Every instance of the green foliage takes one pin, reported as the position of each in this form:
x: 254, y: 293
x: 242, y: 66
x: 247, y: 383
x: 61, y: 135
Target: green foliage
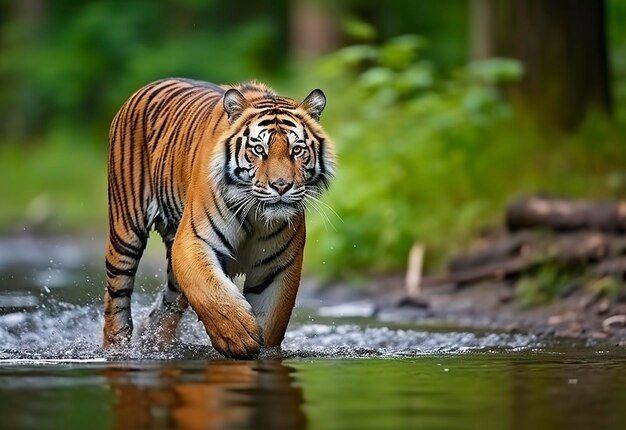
x: 544, y: 284
x: 59, y: 186
x: 81, y: 61
x: 408, y: 141
x: 67, y: 68
x: 607, y: 286
x: 431, y: 158
x: 548, y: 281
x: 424, y: 154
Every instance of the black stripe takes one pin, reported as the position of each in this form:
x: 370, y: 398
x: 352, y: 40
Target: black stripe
x: 320, y: 156
x: 239, y: 170
x: 230, y: 180
x: 172, y: 287
x: 234, y: 208
x: 117, y: 311
x: 222, y: 258
x: 155, y: 91
x: 118, y: 191
x: 122, y: 292
x: 123, y: 247
x: 275, y: 233
x: 259, y: 288
x: 238, y: 142
x: 219, y: 233
x: 272, y: 111
x: 203, y: 84
x: 195, y: 232
x: 276, y: 254
x: 266, y: 122
x: 218, y: 121
x: 217, y: 205
x: 114, y: 271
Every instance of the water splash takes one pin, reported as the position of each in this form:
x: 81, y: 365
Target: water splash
x: 351, y: 340
x: 62, y: 331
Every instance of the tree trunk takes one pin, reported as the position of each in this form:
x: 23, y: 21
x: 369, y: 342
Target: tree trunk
x: 482, y: 27
x: 562, y: 46
x: 314, y: 30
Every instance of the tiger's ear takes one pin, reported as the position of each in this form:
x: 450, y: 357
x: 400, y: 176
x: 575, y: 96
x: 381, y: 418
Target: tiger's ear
x: 314, y: 104
x: 234, y: 104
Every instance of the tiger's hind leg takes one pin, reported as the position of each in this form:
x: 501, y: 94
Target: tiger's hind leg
x: 129, y: 196
x: 171, y: 303
x: 124, y: 250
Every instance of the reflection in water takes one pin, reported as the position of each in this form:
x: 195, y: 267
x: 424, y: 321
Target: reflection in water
x: 221, y: 395
x: 575, y: 390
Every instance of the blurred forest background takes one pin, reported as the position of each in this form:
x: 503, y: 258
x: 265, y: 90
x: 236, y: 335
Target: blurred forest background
x: 441, y: 111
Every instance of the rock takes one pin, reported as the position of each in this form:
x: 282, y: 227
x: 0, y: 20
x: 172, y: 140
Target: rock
x: 614, y: 321
x: 418, y: 302
x: 364, y: 309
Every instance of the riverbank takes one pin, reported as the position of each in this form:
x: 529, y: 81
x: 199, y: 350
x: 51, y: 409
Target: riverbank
x: 41, y: 263
x: 579, y: 315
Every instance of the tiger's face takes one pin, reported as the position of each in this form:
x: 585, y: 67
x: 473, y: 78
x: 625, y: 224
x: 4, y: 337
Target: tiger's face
x: 278, y: 156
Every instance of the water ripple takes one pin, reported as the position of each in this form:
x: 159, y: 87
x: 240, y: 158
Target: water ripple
x: 61, y: 331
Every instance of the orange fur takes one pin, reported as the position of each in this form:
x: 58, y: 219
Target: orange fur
x: 223, y: 174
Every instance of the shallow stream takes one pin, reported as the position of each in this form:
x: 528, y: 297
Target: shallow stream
x: 332, y: 373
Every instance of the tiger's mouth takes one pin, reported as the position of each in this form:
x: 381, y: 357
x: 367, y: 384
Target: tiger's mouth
x: 281, y: 209
x: 272, y: 205
x: 281, y: 201
x: 289, y: 199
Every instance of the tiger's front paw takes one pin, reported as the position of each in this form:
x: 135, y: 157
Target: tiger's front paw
x: 235, y: 334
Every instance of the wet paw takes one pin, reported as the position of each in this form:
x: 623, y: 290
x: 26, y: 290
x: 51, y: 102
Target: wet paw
x: 236, y: 334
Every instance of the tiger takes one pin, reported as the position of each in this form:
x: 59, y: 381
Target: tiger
x: 224, y: 174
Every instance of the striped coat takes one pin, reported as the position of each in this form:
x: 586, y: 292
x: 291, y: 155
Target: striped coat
x: 224, y: 175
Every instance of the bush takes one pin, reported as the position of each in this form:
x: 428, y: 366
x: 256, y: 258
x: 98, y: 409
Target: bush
x: 432, y: 159
x: 408, y: 141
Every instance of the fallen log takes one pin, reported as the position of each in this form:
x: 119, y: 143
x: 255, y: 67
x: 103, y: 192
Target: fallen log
x: 487, y: 272
x: 509, y: 256
x: 582, y: 247
x: 492, y: 251
x: 572, y: 248
x: 566, y: 215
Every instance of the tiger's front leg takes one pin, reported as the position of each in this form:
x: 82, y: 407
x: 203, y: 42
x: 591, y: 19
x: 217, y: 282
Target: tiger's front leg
x: 225, y: 313
x: 272, y: 285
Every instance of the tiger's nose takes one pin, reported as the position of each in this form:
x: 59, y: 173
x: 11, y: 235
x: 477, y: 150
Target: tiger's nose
x: 281, y: 185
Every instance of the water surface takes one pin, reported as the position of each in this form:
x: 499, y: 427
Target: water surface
x: 332, y: 373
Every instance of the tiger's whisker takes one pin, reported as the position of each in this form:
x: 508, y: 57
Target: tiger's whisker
x: 326, y: 205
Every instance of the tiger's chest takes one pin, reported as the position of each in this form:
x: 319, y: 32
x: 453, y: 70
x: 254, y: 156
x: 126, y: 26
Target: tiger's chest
x: 260, y: 251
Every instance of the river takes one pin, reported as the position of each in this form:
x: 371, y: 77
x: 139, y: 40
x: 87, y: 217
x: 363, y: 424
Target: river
x: 333, y: 373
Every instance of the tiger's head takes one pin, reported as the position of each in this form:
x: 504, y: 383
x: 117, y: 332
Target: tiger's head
x: 277, y: 156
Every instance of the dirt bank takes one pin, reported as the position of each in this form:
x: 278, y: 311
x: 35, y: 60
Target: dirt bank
x: 580, y: 315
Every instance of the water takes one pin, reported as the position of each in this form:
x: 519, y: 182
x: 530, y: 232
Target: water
x: 332, y: 373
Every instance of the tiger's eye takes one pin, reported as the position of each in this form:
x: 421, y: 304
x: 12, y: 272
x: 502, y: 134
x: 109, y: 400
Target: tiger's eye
x: 297, y: 150
x: 258, y: 150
